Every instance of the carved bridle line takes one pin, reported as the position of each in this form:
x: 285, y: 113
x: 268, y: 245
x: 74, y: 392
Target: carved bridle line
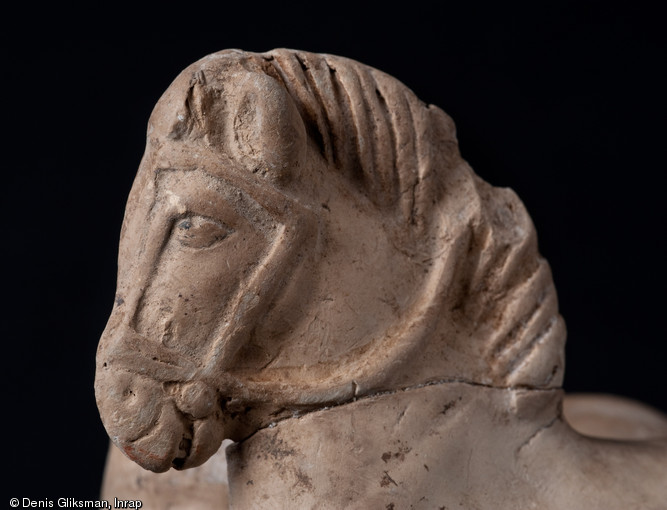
x: 354, y: 376
x: 298, y: 224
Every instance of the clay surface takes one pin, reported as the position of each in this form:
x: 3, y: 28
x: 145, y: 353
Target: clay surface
x: 309, y: 268
x: 613, y: 417
x: 205, y: 487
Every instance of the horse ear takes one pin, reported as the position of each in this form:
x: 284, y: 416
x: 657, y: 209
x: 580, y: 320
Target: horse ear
x: 266, y: 131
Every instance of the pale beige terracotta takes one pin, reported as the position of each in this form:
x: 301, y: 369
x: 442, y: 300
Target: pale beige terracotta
x: 613, y: 417
x: 309, y: 268
x: 205, y: 487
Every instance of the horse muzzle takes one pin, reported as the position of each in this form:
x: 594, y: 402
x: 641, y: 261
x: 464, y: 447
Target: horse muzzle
x: 159, y: 425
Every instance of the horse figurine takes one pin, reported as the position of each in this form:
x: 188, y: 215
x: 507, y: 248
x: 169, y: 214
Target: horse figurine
x: 309, y: 269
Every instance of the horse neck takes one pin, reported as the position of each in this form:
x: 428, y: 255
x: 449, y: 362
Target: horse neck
x: 432, y: 444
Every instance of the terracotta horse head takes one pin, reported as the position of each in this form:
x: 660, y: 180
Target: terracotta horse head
x: 302, y: 231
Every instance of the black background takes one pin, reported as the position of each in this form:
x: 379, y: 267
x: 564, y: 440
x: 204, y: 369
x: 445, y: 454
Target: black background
x: 563, y: 102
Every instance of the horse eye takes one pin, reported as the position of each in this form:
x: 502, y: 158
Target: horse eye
x: 200, y: 232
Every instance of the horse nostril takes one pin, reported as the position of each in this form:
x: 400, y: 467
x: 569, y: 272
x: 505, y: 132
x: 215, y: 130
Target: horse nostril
x: 129, y: 404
